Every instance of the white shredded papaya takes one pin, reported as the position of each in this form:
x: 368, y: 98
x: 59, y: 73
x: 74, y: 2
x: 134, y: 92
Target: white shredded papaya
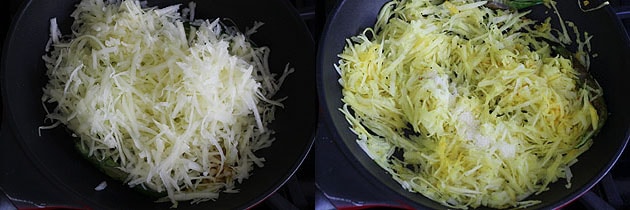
x: 180, y: 104
x: 464, y: 104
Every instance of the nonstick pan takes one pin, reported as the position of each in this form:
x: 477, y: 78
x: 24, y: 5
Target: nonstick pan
x: 53, y: 154
x: 611, y: 67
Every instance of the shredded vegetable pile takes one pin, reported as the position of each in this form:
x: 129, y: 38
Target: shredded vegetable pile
x: 179, y: 104
x: 467, y: 105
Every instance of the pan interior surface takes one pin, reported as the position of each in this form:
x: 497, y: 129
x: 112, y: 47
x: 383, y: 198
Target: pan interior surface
x: 23, y: 76
x: 609, y: 68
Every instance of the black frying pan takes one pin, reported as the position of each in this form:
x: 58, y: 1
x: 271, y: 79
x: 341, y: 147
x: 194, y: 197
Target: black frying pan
x: 23, y: 76
x: 611, y: 68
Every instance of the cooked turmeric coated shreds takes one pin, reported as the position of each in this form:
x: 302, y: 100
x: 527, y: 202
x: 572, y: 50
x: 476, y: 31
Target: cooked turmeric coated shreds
x: 467, y: 105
